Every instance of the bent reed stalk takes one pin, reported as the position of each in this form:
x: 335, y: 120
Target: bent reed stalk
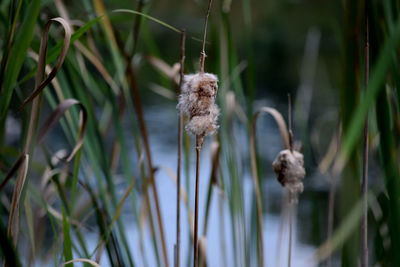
x: 289, y: 169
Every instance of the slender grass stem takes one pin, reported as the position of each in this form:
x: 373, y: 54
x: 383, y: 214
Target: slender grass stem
x: 290, y: 211
x: 331, y: 208
x: 199, y: 143
x: 284, y: 214
x: 257, y: 190
x: 331, y: 201
x: 291, y: 196
x: 143, y: 130
x: 136, y: 26
x: 290, y: 123
x: 203, y: 53
x: 178, y: 171
x: 364, y: 185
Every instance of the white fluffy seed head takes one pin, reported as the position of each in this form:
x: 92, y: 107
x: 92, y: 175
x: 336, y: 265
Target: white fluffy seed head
x: 289, y: 169
x: 198, y: 101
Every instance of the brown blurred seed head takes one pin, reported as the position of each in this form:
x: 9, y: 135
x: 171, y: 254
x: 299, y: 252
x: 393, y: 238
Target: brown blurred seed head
x: 198, y: 101
x: 289, y: 169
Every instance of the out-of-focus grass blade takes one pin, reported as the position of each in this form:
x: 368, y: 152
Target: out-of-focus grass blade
x: 148, y: 17
x: 374, y: 86
x: 13, y: 220
x: 99, y: 66
x: 112, y: 247
x: 116, y: 215
x: 100, y: 9
x: 96, y: 152
x: 215, y: 153
x: 250, y: 73
x: 389, y: 160
x: 67, y: 239
x: 348, y: 225
x: 29, y: 222
x: 8, y: 252
x: 17, y: 54
x: 111, y: 41
x: 93, y: 263
x: 55, y: 116
x: 171, y: 72
x: 75, y: 173
x: 8, y: 44
x: 12, y: 171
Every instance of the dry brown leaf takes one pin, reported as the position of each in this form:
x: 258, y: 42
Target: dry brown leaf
x: 39, y: 84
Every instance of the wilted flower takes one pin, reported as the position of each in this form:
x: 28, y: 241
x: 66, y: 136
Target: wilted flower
x: 198, y: 101
x: 289, y: 168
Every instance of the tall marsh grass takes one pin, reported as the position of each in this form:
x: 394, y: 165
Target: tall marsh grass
x: 85, y: 177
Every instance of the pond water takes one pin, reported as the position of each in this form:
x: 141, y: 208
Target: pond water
x: 163, y: 148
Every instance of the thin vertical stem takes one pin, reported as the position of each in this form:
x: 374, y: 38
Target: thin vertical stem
x: 257, y: 190
x: 332, y: 192
x: 136, y: 27
x: 284, y: 214
x: 178, y: 171
x: 290, y: 210
x: 331, y: 208
x: 142, y: 125
x: 203, y: 53
x: 364, y: 186
x: 199, y: 142
x: 135, y: 95
x: 290, y: 123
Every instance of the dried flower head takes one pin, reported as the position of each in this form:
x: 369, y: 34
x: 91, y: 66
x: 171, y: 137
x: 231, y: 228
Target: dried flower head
x: 198, y: 101
x: 289, y: 168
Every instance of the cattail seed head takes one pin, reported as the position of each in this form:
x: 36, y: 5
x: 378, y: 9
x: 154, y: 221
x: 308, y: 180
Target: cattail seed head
x: 289, y: 169
x: 197, y: 100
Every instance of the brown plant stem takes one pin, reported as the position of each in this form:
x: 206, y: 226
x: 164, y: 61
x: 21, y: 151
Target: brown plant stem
x: 290, y: 211
x: 199, y: 143
x: 331, y: 208
x: 332, y: 192
x: 257, y: 189
x: 286, y: 143
x: 139, y: 110
x: 290, y: 193
x: 215, y: 151
x: 178, y: 171
x: 203, y: 53
x: 284, y: 214
x: 290, y: 123
x: 364, y: 185
x: 129, y: 73
x: 136, y: 26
